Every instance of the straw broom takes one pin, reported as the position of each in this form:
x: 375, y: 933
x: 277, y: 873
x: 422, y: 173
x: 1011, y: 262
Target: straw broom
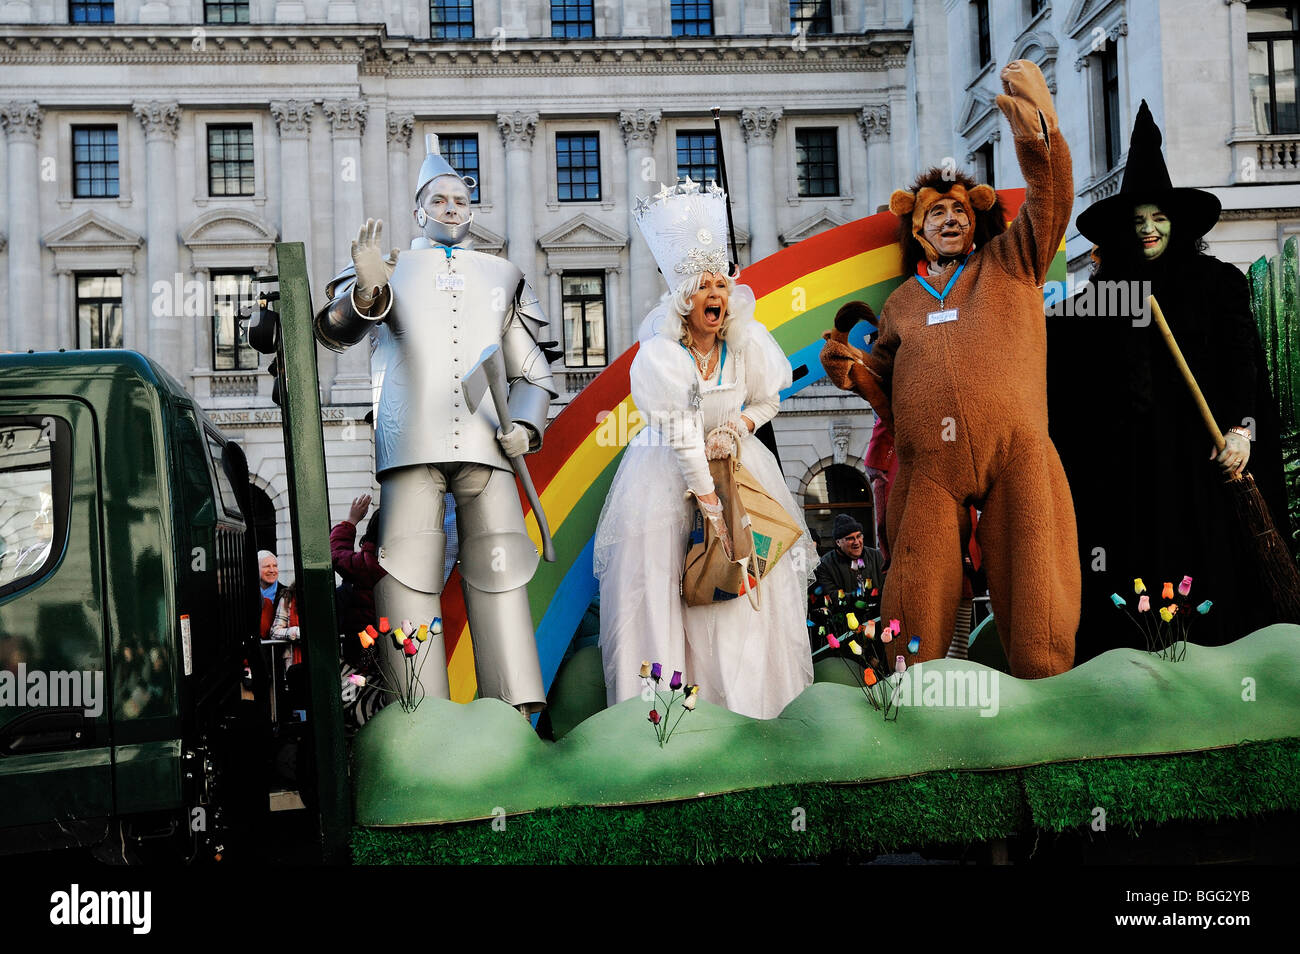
x: 1276, y: 567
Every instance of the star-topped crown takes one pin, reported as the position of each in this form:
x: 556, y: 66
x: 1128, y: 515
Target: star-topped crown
x: 686, y: 229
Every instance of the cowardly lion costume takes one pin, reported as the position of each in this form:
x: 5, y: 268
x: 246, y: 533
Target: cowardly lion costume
x: 959, y: 372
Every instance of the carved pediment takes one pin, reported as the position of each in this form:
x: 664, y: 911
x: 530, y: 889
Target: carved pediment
x: 979, y: 103
x: 227, y: 228
x: 91, y: 230
x: 820, y: 221
x: 485, y: 240
x: 1083, y: 12
x: 583, y: 232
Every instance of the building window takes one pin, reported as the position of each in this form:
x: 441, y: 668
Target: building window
x: 1036, y: 7
x: 983, y: 39
x: 810, y: 16
x: 817, y: 161
x: 451, y: 19
x: 462, y: 153
x: 577, y: 167
x: 34, y: 459
x: 94, y: 162
x: 230, y: 160
x: 225, y: 11
x: 90, y: 11
x: 984, y: 172
x: 572, y: 18
x: 99, y: 311
x: 583, y: 298
x: 1272, y: 34
x: 1113, y: 134
x: 697, y: 156
x: 231, y: 351
x: 692, y: 17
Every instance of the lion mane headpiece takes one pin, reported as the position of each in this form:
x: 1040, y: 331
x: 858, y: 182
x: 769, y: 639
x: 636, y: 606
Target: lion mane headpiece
x: 982, y: 205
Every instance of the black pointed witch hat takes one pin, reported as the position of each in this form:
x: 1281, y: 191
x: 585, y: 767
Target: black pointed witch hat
x: 1146, y: 179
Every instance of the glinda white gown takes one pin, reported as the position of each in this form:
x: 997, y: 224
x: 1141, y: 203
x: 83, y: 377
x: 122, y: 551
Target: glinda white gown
x: 751, y: 662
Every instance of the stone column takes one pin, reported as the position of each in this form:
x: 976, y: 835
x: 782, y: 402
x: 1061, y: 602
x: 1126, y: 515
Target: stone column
x: 22, y: 125
x: 401, y: 189
x: 759, y: 128
x: 64, y: 303
x: 165, y: 343
x: 517, y: 130
x: 347, y: 122
x: 1243, y: 119
x: 639, y: 127
x: 1119, y: 36
x: 293, y: 123
x: 874, y: 121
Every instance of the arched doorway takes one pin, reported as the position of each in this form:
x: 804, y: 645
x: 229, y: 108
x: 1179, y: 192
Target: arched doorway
x: 838, y: 488
x: 262, y: 520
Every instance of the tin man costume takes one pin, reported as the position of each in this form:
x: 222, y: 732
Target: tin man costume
x: 441, y: 307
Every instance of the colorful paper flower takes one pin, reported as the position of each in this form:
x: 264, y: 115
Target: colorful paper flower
x: 435, y: 626
x: 366, y: 639
x: 1144, y: 603
x: 372, y: 633
x: 875, y: 591
x: 657, y: 671
x: 1117, y: 600
x: 871, y: 629
x: 851, y: 620
x: 887, y: 635
x: 854, y: 648
x: 1138, y: 586
x: 832, y: 642
x: 654, y: 716
x: 689, y: 703
x: 397, y: 639
x: 1167, y: 593
x: 410, y: 647
x: 900, y: 664
x: 357, y: 679
x: 869, y: 676
x: 423, y: 633
x: 1204, y: 607
x: 383, y: 624
x: 692, y: 690
x: 676, y: 682
x: 408, y: 625
x: 914, y: 644
x: 645, y: 669
x: 894, y: 626
x: 1185, y: 587
x: 1165, y: 614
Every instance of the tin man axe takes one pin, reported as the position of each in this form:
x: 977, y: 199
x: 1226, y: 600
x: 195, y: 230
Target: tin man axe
x: 489, y: 374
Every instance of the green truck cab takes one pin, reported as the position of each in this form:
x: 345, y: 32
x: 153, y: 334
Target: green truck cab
x: 128, y: 608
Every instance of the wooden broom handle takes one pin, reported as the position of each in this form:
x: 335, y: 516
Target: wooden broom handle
x: 1211, y: 425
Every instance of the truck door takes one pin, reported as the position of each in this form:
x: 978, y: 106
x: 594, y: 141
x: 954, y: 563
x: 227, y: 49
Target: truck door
x: 55, y: 745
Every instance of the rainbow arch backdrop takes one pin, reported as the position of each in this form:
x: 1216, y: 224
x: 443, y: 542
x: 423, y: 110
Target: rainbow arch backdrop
x: 798, y: 289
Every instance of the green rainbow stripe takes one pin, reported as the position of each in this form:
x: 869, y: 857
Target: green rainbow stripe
x: 799, y: 289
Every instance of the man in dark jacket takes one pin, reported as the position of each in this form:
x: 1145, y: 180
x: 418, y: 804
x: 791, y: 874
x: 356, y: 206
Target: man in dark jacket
x: 851, y: 562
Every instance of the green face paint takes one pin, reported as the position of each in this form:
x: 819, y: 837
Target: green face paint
x: 1152, y: 227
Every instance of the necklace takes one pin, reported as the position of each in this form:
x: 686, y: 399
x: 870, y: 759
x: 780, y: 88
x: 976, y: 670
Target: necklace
x: 702, y: 361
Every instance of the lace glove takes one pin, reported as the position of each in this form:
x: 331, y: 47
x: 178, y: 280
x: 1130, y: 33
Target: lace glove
x: 713, y: 512
x: 723, y: 441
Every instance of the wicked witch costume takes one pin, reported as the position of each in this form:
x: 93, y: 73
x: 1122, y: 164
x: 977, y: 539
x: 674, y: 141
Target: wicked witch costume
x: 753, y: 663
x: 1150, y: 501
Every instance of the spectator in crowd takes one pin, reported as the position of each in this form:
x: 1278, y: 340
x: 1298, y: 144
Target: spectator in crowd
x: 852, y: 562
x: 268, y: 581
x: 359, y: 569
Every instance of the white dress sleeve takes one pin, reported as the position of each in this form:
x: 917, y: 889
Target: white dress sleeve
x: 662, y: 377
x: 767, y: 374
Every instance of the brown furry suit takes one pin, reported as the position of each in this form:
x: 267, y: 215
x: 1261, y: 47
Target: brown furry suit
x: 967, y: 401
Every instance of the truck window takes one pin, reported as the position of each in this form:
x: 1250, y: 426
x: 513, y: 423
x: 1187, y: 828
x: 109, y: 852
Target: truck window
x: 229, y: 502
x: 33, y: 498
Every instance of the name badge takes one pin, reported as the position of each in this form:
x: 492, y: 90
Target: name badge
x: 456, y: 282
x: 939, y: 317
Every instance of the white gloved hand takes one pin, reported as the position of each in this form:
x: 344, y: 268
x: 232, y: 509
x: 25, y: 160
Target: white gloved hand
x: 372, y: 269
x: 515, y: 441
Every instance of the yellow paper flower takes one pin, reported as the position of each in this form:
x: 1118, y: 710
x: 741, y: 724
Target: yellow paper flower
x: 852, y: 622
x: 1139, y: 587
x: 1165, y: 614
x: 854, y: 648
x: 645, y: 669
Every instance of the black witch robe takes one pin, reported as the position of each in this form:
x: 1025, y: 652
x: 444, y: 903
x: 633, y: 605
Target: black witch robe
x: 1148, y: 499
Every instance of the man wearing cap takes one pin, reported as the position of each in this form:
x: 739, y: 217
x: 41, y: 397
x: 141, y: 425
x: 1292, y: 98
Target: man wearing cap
x: 433, y: 310
x: 852, y: 562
